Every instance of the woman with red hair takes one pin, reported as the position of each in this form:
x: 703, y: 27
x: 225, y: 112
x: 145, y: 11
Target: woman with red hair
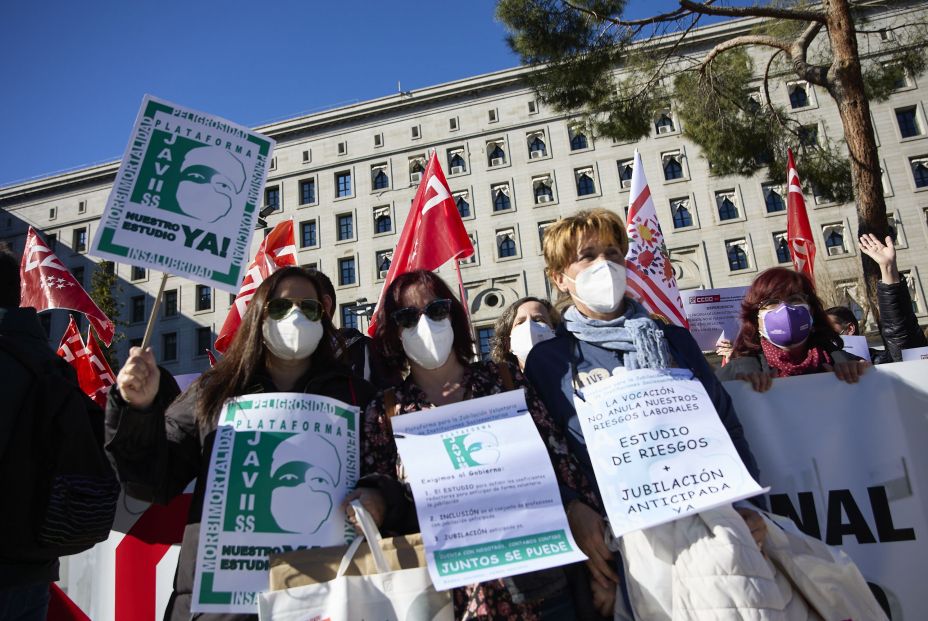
x: 785, y: 332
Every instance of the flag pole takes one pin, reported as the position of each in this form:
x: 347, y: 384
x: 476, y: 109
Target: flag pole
x: 463, y: 294
x: 154, y: 312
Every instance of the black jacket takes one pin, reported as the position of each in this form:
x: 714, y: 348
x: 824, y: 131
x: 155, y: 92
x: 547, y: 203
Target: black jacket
x: 900, y: 327
x: 159, y: 451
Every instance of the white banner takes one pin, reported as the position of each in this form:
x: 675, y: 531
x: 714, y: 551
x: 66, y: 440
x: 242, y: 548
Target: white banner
x: 486, y: 494
x: 847, y: 462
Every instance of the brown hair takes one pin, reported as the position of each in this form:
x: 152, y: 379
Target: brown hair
x: 387, y: 334
x: 235, y: 371
x: 562, y: 238
x: 779, y: 283
x: 500, y: 351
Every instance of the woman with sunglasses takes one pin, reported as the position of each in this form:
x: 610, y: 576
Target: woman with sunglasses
x: 785, y: 332
x: 160, y: 443
x: 422, y: 327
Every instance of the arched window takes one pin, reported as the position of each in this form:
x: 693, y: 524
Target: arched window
x: 664, y: 124
x: 384, y: 265
x: 501, y: 201
x: 578, y: 141
x: 783, y: 251
x: 774, y: 201
x: 456, y: 161
x: 497, y: 156
x: 727, y: 209
x: 507, y: 247
x: 585, y: 185
x: 382, y: 223
x: 737, y: 258
x: 682, y: 217
x: 673, y: 169
x: 625, y: 174
x: 834, y: 242
x: 463, y: 207
x: 537, y: 145
x: 543, y: 189
x: 381, y: 181
x: 798, y: 97
x: 920, y: 172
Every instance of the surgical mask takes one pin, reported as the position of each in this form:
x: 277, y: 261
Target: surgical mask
x: 601, y: 286
x: 787, y: 325
x: 292, y: 338
x: 526, y: 335
x: 429, y: 342
x: 200, y: 200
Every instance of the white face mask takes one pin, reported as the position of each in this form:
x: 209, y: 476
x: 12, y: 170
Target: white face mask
x: 292, y: 338
x: 601, y: 286
x: 526, y: 335
x: 428, y: 343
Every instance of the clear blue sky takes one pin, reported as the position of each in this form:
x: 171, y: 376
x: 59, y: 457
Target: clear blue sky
x: 73, y: 73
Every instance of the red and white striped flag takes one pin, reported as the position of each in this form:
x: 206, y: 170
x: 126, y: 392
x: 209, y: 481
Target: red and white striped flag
x: 94, y: 374
x: 798, y: 230
x: 276, y: 251
x: 651, y: 280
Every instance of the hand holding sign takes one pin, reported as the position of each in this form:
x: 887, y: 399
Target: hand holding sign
x: 139, y: 378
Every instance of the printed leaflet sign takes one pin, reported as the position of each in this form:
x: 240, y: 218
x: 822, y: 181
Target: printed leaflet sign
x: 186, y: 195
x: 486, y: 495
x: 713, y: 314
x: 281, y: 465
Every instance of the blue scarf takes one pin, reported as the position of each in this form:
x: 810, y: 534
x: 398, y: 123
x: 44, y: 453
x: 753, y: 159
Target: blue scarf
x: 634, y: 333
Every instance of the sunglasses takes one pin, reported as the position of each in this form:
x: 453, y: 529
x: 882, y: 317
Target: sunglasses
x: 278, y: 308
x: 436, y: 310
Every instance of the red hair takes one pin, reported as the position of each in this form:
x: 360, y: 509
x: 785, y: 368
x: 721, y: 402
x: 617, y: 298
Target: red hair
x: 777, y: 284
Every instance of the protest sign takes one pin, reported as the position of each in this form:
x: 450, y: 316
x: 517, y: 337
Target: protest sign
x: 658, y: 448
x: 713, y: 314
x: 281, y: 465
x: 915, y: 353
x: 847, y: 463
x: 486, y: 494
x: 857, y: 345
x: 186, y: 195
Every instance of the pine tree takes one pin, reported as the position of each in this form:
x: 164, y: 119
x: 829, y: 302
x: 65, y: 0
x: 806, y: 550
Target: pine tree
x: 105, y: 290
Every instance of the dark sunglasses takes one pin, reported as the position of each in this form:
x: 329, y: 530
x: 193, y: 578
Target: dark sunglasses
x: 436, y: 310
x: 278, y: 308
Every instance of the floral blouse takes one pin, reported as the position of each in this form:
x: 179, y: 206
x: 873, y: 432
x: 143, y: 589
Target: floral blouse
x: 487, y: 600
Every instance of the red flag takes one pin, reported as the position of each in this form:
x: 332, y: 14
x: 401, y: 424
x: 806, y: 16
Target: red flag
x: 798, y: 231
x: 212, y: 358
x: 433, y: 233
x: 95, y: 375
x: 276, y: 251
x: 71, y: 345
x: 651, y: 280
x: 47, y: 284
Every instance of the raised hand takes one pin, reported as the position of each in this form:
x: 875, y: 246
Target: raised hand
x: 139, y: 378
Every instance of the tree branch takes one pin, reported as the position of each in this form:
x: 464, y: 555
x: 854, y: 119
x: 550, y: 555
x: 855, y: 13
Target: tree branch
x: 798, y: 53
x: 635, y: 22
x: 741, y: 41
x: 705, y: 8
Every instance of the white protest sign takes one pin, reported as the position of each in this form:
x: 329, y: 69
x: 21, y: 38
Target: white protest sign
x: 281, y: 465
x: 713, y: 314
x: 915, y: 353
x: 186, y: 195
x: 658, y: 448
x: 847, y: 463
x: 486, y: 494
x: 857, y: 345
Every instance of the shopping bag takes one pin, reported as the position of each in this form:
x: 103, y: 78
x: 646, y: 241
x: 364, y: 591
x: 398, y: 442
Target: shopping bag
x: 394, y: 595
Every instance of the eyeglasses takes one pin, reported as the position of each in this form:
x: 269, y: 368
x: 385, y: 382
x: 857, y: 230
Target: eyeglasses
x: 278, y: 308
x: 793, y: 300
x: 436, y: 310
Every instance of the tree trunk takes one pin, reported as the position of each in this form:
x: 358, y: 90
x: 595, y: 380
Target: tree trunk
x: 846, y: 86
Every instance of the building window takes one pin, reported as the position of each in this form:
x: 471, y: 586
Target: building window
x: 273, y: 164
x: 673, y: 165
x: 543, y: 190
x: 307, y: 156
x: 307, y: 192
x: 52, y: 213
x: 682, y: 217
x: 308, y: 237
x: 773, y: 198
x: 920, y: 171
x: 536, y: 146
x: 798, y: 95
x: 169, y: 346
x: 347, y: 274
x: 51, y: 240
x: 345, y: 223
x: 493, y: 115
x: 496, y: 155
x: 416, y: 132
x: 485, y: 341
x: 808, y: 135
x: 342, y: 148
x: 416, y: 169
x: 170, y: 303
x: 908, y: 122
x: 138, y: 273
x: 664, y: 124
x: 899, y: 74
x: 456, y: 163
x: 909, y: 279
x: 737, y: 254
x: 137, y: 308
x: 204, y: 341
x: 79, y: 240
x: 382, y: 260
x: 204, y: 297
x: 463, y: 206
x: 349, y: 317
x: 453, y: 124
x: 378, y: 140
x: 585, y: 184
x: 506, y: 244
x: 342, y: 184
x: 532, y: 107
x: 383, y: 223
x: 501, y: 200
x: 834, y: 239
x: 782, y: 247
x: 379, y: 178
x: 472, y: 259
x: 626, y: 168
x: 82, y: 207
x: 272, y: 197
x: 726, y: 205
x: 578, y: 138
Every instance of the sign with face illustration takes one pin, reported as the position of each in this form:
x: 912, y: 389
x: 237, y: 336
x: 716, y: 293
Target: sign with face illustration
x: 281, y: 465
x: 186, y: 195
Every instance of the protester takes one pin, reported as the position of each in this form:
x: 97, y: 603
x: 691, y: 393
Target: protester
x: 899, y: 326
x: 423, y: 327
x: 785, y: 332
x: 526, y: 322
x: 603, y: 331
x: 284, y: 344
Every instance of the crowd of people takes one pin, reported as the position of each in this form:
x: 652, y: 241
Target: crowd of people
x: 422, y: 355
